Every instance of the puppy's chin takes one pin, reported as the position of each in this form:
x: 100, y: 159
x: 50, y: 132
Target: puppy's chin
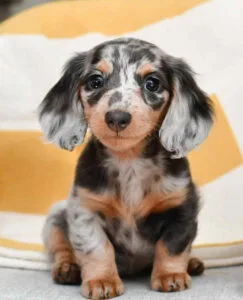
x: 120, y: 144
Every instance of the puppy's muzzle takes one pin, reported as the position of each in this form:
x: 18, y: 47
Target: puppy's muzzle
x: 117, y: 120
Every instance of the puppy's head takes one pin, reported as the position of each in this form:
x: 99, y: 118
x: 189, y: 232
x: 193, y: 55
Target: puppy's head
x: 124, y: 90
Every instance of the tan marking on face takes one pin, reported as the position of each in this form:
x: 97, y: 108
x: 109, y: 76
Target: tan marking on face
x: 104, y: 67
x: 129, y: 154
x: 95, y: 115
x: 144, y: 119
x: 144, y: 69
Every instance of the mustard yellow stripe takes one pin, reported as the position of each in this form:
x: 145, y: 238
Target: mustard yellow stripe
x: 219, y: 153
x: 33, y: 174
x: 40, y: 248
x: 20, y: 245
x: 73, y: 18
x: 234, y: 243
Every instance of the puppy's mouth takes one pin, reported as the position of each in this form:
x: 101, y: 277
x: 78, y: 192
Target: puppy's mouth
x: 126, y: 135
x: 121, y: 137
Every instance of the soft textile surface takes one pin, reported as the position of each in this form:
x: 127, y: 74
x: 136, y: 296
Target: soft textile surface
x: 216, y: 284
x: 33, y: 175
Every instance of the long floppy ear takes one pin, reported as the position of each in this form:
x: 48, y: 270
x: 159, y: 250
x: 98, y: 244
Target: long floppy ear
x: 190, y: 114
x: 61, y: 113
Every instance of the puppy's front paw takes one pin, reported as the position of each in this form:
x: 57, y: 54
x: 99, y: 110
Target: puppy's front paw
x: 171, y: 282
x: 66, y: 273
x: 102, y: 288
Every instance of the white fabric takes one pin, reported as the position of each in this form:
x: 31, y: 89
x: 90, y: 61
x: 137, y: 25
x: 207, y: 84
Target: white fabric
x: 221, y: 217
x: 23, y: 227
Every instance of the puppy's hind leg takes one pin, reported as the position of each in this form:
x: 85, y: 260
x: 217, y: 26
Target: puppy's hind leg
x: 64, y: 268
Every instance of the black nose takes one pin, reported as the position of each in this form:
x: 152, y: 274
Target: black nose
x: 117, y: 120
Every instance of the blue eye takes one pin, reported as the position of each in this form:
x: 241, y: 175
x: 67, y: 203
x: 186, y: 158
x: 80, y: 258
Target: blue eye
x: 95, y: 82
x: 151, y: 84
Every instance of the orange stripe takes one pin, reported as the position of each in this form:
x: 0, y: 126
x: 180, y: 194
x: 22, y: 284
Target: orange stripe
x: 73, y: 18
x: 20, y: 245
x: 234, y: 243
x: 33, y: 175
x: 7, y: 243
x: 219, y: 153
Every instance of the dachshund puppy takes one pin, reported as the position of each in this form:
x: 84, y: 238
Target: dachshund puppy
x: 133, y: 205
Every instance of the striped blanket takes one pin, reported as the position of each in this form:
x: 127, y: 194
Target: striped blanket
x: 33, y: 47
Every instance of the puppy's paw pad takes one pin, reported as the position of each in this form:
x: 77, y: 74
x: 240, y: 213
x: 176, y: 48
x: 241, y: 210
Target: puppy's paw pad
x: 66, y: 273
x: 171, y: 282
x: 102, y: 289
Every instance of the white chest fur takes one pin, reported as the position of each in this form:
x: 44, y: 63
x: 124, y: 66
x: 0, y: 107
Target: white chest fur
x: 140, y: 176
x: 135, y: 178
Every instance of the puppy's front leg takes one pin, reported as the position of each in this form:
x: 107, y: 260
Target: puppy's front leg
x: 94, y: 253
x: 99, y: 273
x: 170, y: 270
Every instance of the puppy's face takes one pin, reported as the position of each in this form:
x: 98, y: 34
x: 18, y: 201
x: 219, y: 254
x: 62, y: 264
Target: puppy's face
x: 123, y: 90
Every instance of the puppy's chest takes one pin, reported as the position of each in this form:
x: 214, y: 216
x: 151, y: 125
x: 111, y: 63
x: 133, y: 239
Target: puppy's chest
x: 133, y: 180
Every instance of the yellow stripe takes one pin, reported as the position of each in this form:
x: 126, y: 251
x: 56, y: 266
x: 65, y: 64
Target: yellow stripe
x: 33, y: 175
x: 234, y: 243
x: 73, y: 18
x: 20, y: 245
x: 40, y: 248
x: 219, y: 153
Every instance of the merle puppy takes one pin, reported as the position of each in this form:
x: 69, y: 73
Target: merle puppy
x: 133, y: 205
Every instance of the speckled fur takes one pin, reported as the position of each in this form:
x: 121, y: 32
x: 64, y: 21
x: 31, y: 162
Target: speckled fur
x: 118, y: 172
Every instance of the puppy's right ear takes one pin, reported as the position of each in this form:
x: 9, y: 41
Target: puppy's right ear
x: 61, y: 112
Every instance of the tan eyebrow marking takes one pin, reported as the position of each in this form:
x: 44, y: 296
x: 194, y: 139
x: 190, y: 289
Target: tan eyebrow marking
x: 104, y: 67
x: 144, y: 69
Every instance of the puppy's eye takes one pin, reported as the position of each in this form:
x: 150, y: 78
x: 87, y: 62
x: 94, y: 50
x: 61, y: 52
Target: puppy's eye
x: 95, y: 82
x: 151, y: 84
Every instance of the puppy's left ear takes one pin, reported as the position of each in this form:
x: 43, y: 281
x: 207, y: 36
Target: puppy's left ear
x: 190, y: 114
x: 61, y: 112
